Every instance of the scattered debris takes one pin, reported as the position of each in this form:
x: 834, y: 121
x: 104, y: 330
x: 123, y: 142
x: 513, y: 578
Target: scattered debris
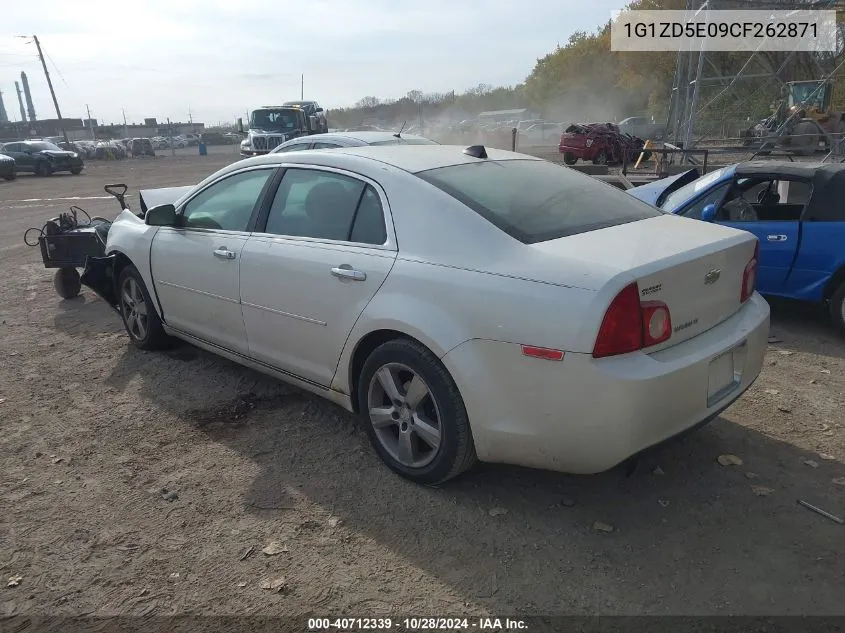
x: 658, y: 471
x: 241, y: 585
x: 826, y: 457
x: 144, y: 592
x: 567, y: 502
x: 663, y: 502
x: 278, y: 585
x: 602, y: 527
x: 811, y: 463
x: 839, y: 481
x: 334, y: 522
x: 169, y: 495
x: 174, y: 575
x: 58, y: 460
x: 729, y: 460
x: 274, y: 549
x: 249, y: 552
x: 813, y: 381
x: 775, y: 339
x: 825, y: 371
x: 496, y: 512
x: 785, y: 352
x: 308, y: 525
x: 828, y: 515
x: 762, y: 491
x: 772, y: 363
x: 2, y: 400
x: 14, y: 581
x: 824, y: 427
x: 784, y: 409
x: 750, y: 475
x: 771, y: 392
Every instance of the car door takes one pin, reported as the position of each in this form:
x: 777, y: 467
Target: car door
x: 195, y: 267
x: 777, y: 231
x: 312, y: 266
x: 24, y: 159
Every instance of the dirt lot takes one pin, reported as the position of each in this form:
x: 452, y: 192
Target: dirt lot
x: 93, y: 431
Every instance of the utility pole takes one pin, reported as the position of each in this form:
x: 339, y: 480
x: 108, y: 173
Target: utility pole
x: 170, y: 136
x: 190, y: 116
x: 90, y: 123
x: 50, y: 85
x: 302, y: 86
x: 125, y: 130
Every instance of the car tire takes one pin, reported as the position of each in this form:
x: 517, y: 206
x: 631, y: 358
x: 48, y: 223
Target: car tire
x: 404, y: 436
x: 837, y: 309
x: 43, y: 169
x: 76, y: 171
x: 569, y: 158
x: 67, y: 283
x: 601, y: 158
x: 11, y: 176
x: 139, y: 315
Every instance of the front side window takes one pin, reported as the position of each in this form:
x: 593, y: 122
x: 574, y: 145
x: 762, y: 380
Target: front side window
x: 227, y: 204
x: 326, y: 205
x: 535, y: 200
x: 325, y: 145
x: 44, y: 145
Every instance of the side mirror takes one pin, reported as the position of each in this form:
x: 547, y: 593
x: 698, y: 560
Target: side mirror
x: 318, y: 110
x: 313, y: 123
x: 240, y: 125
x: 708, y: 213
x: 162, y: 215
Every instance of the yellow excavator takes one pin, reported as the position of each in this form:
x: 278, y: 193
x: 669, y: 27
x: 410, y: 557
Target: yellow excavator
x: 801, y: 120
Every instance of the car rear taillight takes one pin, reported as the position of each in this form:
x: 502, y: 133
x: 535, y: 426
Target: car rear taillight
x: 630, y: 325
x: 749, y: 275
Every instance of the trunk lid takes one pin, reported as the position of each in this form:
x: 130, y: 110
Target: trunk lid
x: 695, y: 268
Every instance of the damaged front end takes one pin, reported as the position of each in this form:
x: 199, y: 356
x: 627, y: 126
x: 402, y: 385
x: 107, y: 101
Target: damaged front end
x: 99, y: 276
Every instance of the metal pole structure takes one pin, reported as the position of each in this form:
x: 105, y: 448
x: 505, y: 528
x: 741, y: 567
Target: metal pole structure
x: 90, y: 123
x: 302, y: 86
x: 170, y: 137
x: 125, y: 130
x: 50, y: 85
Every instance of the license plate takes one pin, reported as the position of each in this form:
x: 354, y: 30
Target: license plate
x: 725, y: 374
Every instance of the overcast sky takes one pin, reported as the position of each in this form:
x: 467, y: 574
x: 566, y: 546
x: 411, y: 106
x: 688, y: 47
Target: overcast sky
x: 219, y: 58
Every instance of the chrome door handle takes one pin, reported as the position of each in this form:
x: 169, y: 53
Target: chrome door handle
x: 346, y: 272
x: 776, y: 238
x: 224, y: 253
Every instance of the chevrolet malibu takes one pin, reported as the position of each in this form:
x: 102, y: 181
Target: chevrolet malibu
x: 466, y: 303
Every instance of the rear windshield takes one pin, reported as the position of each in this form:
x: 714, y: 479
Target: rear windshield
x: 535, y: 200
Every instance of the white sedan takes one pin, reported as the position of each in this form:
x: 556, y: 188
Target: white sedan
x: 468, y: 304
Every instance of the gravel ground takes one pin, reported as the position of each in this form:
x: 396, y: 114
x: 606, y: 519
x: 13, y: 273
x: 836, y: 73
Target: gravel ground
x: 150, y: 483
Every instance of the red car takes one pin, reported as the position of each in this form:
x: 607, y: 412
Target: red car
x: 601, y: 143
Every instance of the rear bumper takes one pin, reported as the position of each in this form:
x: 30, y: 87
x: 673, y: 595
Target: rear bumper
x: 586, y: 415
x: 584, y: 153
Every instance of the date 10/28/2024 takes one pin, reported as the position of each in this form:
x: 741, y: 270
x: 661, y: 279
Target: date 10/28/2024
x: 417, y: 624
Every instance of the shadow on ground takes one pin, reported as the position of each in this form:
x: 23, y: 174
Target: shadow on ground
x: 511, y: 538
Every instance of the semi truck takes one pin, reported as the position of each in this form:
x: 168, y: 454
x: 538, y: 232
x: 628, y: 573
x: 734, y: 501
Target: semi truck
x: 270, y: 126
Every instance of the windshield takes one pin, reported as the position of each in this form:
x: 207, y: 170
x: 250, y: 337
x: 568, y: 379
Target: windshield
x: 535, y: 200
x: 809, y: 93
x: 689, y: 190
x: 42, y: 145
x: 275, y: 120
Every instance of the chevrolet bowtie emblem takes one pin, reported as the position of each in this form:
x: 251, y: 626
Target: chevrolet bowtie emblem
x: 712, y: 276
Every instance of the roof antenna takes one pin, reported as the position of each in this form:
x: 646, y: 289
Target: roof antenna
x: 399, y: 133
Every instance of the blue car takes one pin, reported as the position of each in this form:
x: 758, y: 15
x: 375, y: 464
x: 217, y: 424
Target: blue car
x: 796, y: 210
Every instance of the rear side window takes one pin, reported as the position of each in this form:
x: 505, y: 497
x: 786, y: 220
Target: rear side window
x: 535, y: 201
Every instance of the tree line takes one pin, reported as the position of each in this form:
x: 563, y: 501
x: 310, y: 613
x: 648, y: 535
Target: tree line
x: 584, y: 80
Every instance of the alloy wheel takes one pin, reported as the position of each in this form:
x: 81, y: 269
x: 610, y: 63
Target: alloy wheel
x: 404, y: 415
x: 134, y: 308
